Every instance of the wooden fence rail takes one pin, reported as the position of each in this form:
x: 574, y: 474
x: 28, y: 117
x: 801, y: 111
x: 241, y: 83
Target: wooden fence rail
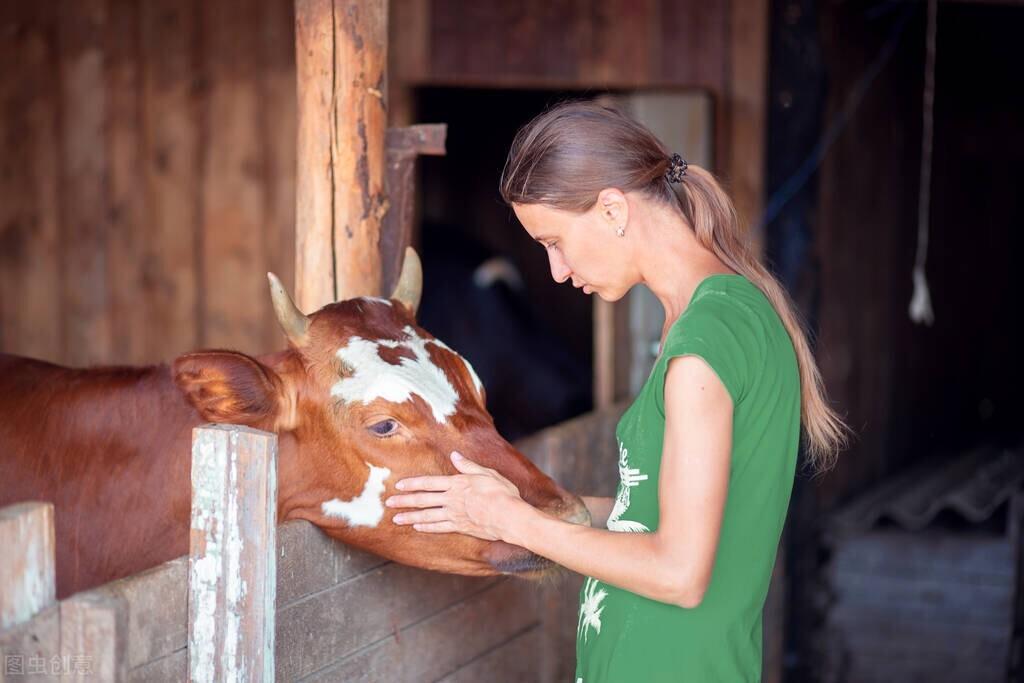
x: 313, y: 609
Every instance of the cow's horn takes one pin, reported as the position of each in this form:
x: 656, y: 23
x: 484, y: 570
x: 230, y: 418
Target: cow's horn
x: 294, y: 322
x: 410, y: 282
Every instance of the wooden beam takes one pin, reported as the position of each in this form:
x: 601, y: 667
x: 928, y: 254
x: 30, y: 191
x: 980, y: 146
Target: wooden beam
x: 27, y: 562
x: 232, y: 554
x: 746, y: 95
x: 341, y: 57
x: 404, y: 145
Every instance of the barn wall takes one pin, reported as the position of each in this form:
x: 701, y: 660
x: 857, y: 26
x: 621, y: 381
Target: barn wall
x: 147, y: 176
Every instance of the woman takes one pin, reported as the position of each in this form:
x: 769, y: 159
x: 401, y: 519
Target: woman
x: 707, y: 450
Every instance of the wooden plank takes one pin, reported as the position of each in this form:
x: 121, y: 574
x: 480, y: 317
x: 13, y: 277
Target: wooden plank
x: 748, y: 115
x: 512, y: 661
x: 341, y: 56
x: 127, y: 217
x: 314, y: 193
x: 88, y: 337
x: 27, y: 565
x: 309, y: 561
x: 157, y: 606
x: 430, y: 649
x: 233, y: 258
x: 29, y: 206
x: 93, y: 635
x: 170, y: 119
x: 277, y: 131
x: 404, y: 145
x: 172, y: 668
x: 360, y: 116
x: 408, y: 56
x: 315, y: 632
x: 232, y: 554
x: 28, y: 648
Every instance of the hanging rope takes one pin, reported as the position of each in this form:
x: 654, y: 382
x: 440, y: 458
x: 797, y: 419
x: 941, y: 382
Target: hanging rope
x: 921, y: 302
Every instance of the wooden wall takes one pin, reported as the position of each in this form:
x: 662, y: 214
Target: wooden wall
x: 719, y: 47
x: 146, y: 176
x: 148, y: 148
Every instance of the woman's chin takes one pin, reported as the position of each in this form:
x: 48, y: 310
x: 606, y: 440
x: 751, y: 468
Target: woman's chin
x: 604, y: 294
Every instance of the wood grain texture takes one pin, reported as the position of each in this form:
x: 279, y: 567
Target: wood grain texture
x: 234, y: 247
x: 232, y: 554
x: 444, y: 643
x: 132, y: 174
x: 27, y: 565
x: 171, y: 152
x: 93, y: 636
x: 31, y: 645
x: 88, y: 335
x: 30, y: 273
x: 316, y: 632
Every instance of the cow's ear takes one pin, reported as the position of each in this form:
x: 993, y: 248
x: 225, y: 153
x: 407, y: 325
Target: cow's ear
x: 230, y: 387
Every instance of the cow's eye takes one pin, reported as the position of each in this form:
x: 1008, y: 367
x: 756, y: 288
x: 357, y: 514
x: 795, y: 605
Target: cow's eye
x: 384, y: 427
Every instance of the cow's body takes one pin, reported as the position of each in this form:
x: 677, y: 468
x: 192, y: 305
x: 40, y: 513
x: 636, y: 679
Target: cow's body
x: 361, y: 398
x: 110, y: 448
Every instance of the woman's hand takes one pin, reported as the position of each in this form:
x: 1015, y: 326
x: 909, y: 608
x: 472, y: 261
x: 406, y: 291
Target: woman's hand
x: 478, y: 502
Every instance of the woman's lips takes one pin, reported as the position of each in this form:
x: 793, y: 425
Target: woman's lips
x: 587, y: 289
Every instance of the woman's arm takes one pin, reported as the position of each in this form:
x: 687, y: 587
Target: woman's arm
x: 674, y: 563
x: 599, y: 507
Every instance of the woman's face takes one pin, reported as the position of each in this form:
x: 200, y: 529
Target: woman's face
x: 581, y: 247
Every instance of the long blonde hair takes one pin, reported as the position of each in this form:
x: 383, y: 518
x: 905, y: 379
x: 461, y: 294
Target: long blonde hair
x: 564, y: 157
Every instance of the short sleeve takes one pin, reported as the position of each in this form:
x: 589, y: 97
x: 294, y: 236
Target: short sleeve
x: 726, y: 342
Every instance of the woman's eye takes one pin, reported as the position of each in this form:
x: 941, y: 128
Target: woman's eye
x: 384, y: 427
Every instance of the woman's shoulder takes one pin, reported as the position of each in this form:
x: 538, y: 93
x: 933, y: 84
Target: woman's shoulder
x: 727, y: 308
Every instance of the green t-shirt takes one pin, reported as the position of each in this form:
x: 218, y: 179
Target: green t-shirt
x: 622, y: 637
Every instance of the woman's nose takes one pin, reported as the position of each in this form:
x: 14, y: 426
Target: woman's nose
x: 560, y: 272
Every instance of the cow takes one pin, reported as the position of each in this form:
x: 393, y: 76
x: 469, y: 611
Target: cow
x: 360, y: 398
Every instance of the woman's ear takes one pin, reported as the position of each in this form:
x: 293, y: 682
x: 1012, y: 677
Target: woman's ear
x: 230, y: 387
x: 614, y: 207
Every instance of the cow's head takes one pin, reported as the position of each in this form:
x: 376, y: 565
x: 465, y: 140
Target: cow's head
x: 362, y: 398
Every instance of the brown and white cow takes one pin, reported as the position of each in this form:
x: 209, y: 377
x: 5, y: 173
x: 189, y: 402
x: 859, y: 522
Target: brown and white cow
x: 361, y: 398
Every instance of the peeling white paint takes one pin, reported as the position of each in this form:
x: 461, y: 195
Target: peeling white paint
x: 366, y: 509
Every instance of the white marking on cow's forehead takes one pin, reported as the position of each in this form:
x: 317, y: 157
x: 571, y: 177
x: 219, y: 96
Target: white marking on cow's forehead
x: 366, y: 509
x: 372, y: 377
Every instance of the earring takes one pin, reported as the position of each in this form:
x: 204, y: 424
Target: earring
x: 621, y: 231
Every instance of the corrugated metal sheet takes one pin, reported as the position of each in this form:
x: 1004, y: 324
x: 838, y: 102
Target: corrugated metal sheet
x: 973, y: 484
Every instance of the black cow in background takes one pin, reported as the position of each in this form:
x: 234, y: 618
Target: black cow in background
x: 475, y: 302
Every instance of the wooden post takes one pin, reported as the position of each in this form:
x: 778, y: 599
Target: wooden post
x: 403, y: 146
x: 232, y: 577
x: 27, y: 562
x: 93, y: 638
x: 341, y: 57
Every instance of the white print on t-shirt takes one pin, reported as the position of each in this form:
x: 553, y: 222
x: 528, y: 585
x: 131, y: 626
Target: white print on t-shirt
x: 628, y: 478
x: 590, y: 609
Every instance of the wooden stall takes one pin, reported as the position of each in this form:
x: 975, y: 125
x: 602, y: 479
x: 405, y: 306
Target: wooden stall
x: 160, y: 163
x: 338, y: 613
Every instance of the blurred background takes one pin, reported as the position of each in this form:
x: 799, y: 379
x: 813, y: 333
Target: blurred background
x: 147, y: 183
